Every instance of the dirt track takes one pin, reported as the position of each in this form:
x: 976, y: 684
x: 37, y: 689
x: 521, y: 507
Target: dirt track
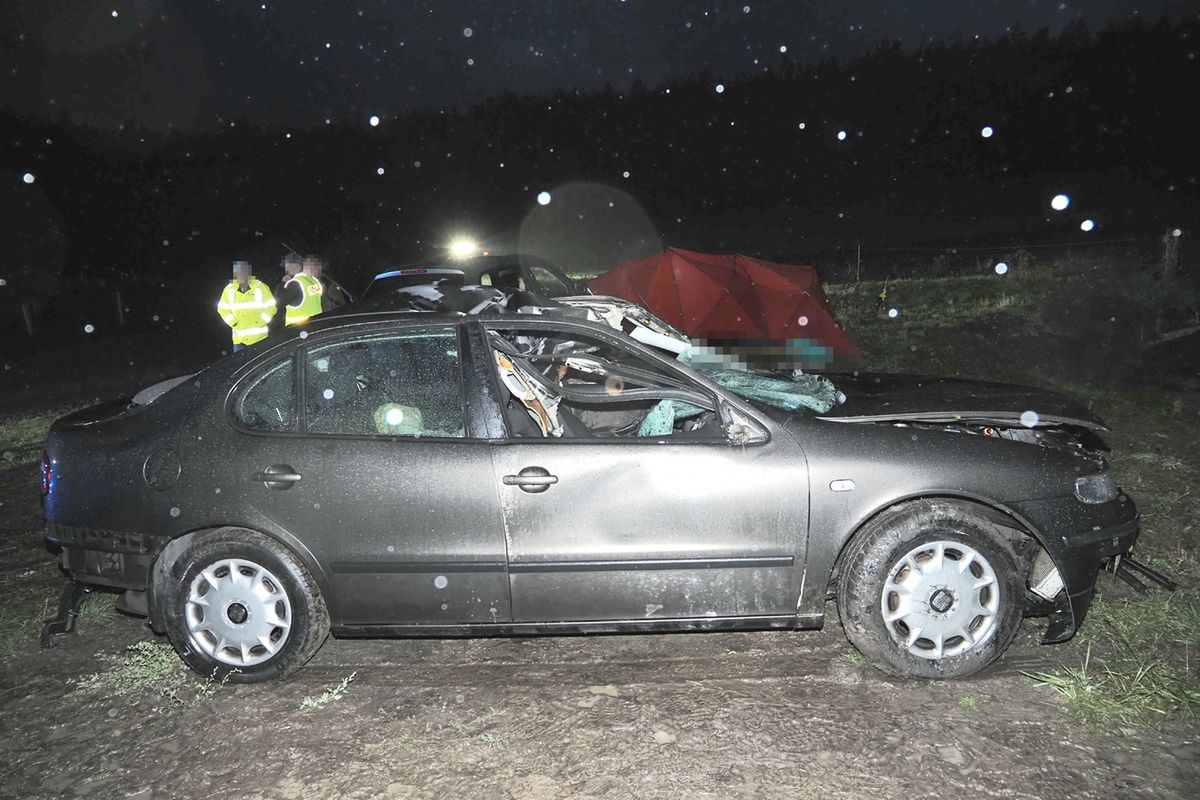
x: 760, y: 715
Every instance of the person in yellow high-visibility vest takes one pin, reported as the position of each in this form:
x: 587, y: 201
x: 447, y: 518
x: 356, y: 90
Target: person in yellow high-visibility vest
x: 303, y: 292
x: 247, y: 306
x: 286, y: 295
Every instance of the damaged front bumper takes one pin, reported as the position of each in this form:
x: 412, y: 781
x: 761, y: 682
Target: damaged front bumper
x: 1078, y: 538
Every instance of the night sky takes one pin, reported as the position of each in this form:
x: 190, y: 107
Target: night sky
x: 197, y: 65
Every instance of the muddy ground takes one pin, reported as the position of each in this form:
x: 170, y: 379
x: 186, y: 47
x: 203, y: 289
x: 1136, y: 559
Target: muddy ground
x: 691, y: 715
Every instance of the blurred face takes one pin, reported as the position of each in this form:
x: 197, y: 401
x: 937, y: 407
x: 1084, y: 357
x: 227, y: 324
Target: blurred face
x: 241, y: 274
x: 291, y: 267
x: 312, y: 266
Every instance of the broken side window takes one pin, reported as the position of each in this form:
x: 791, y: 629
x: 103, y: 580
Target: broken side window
x: 386, y: 385
x: 569, y: 385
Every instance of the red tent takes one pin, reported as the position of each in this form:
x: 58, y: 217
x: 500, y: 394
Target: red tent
x: 729, y: 298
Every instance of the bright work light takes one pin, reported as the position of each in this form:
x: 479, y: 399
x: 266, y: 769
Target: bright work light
x: 462, y: 248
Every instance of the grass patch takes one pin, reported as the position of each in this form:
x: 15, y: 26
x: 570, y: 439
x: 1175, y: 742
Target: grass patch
x: 22, y: 438
x: 1121, y: 696
x: 19, y: 623
x: 329, y: 695
x: 148, y: 669
x: 925, y: 303
x: 856, y: 659
x: 23, y: 611
x: 927, y: 313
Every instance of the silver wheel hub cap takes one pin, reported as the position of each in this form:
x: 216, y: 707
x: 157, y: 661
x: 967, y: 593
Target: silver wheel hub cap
x: 237, y: 612
x: 940, y: 599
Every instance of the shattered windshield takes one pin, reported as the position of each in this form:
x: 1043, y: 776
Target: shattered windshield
x: 813, y: 392
x: 577, y: 386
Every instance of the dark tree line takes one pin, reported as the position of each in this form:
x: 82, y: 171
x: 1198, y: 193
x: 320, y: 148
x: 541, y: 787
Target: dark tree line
x: 757, y: 167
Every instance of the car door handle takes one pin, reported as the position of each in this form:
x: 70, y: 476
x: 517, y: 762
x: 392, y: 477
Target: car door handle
x: 278, y: 476
x: 531, y: 479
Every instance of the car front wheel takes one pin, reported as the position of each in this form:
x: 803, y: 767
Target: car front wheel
x: 930, y: 590
x: 241, y: 607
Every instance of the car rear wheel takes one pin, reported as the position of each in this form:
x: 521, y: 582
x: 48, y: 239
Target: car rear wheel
x: 930, y: 590
x: 241, y: 607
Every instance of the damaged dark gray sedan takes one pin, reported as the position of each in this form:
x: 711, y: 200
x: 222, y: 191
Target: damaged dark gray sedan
x: 404, y: 474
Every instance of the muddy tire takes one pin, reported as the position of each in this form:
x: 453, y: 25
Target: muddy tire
x: 240, y: 607
x: 930, y: 590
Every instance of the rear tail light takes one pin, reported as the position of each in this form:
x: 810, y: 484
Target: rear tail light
x: 45, y: 474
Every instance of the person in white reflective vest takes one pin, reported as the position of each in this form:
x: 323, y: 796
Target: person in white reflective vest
x: 247, y: 306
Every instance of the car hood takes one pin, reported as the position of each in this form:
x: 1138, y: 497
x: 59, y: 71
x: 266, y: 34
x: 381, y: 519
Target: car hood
x: 885, y: 397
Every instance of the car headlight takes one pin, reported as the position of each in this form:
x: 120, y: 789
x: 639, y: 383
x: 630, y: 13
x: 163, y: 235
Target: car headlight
x: 1098, y: 488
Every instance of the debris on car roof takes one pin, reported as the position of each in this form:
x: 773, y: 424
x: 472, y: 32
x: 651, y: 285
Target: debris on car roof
x: 797, y: 390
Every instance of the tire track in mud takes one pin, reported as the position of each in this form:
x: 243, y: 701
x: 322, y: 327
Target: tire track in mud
x: 681, y: 715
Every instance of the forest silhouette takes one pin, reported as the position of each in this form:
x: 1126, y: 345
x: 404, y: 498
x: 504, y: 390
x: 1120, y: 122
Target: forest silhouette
x: 757, y: 167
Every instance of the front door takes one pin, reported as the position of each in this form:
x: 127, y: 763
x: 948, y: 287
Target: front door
x: 617, y: 511
x: 379, y: 479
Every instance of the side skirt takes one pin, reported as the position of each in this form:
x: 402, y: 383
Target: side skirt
x: 787, y: 622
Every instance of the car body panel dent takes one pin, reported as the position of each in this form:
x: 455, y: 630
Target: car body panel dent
x: 1021, y: 481
x: 722, y: 535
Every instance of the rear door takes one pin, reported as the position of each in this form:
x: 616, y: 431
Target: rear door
x: 607, y: 524
x: 375, y: 472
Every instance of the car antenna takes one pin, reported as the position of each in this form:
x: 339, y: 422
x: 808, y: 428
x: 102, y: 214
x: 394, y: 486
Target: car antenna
x: 288, y: 247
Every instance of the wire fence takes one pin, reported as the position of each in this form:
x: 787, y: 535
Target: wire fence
x: 83, y: 306
x: 855, y: 262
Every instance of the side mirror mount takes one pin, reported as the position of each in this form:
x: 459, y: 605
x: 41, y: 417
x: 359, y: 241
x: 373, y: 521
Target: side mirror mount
x: 741, y: 429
